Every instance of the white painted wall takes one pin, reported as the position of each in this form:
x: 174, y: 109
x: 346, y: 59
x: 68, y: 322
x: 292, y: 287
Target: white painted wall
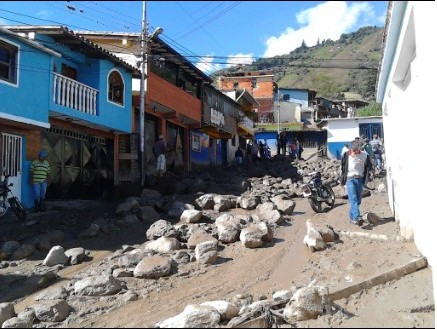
x: 344, y: 130
x: 289, y: 112
x: 406, y: 88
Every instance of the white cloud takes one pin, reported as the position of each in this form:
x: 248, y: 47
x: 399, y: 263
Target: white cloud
x: 243, y: 59
x: 206, y: 64
x: 325, y: 21
x: 44, y: 13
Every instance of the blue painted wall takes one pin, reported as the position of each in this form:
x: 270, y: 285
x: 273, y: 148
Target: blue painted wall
x: 271, y: 138
x: 30, y: 98
x: 336, y: 147
x: 296, y: 95
x: 199, y: 159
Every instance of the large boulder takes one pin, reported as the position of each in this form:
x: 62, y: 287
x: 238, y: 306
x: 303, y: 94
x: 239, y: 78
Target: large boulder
x: 307, y: 303
x: 52, y: 310
x: 161, y: 228
x: 206, y: 252
x: 163, y: 245
x: 56, y: 256
x: 153, y: 267
x: 101, y: 285
x: 255, y: 235
x: 193, y: 316
x: 7, y: 312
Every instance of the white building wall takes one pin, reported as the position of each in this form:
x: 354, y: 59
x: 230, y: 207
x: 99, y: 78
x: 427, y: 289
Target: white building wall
x: 409, y: 123
x: 344, y: 130
x: 289, y: 112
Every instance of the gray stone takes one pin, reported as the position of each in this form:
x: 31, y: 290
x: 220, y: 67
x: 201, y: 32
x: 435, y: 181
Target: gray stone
x: 52, y: 294
x: 55, y: 256
x: 53, y: 311
x: 129, y: 206
x: 153, y: 267
x: 123, y: 272
x: 190, y: 216
x: 25, y: 251
x: 205, y: 202
x: 193, y: 316
x: 249, y: 203
x: 161, y: 228
x: 8, y: 248
x: 163, y: 245
x: 307, y: 303
x: 131, y: 258
x: 313, y: 239
x: 149, y: 214
x: 76, y: 255
x: 102, y: 285
x: 197, y: 237
x: 206, y: 252
x: 7, y: 312
x: 17, y: 323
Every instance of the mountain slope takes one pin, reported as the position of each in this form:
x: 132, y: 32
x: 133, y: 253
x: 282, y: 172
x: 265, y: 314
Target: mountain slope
x: 342, y: 69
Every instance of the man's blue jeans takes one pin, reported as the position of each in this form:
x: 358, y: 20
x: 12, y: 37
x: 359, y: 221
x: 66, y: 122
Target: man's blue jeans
x: 355, y: 194
x: 39, y: 190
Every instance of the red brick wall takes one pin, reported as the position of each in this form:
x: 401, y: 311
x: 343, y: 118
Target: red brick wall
x: 167, y: 94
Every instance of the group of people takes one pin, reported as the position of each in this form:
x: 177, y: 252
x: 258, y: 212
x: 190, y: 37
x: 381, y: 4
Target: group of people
x: 254, y: 151
x: 294, y: 148
x: 357, y: 163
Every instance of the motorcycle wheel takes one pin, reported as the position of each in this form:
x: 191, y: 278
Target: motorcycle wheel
x: 315, y: 205
x: 328, y: 194
x: 3, y: 207
x: 17, y: 208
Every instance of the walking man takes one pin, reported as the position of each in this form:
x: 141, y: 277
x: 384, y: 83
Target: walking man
x: 355, y: 166
x: 39, y: 173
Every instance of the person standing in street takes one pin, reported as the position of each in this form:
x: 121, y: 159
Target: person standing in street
x: 159, y: 149
x: 355, y: 167
x: 239, y: 156
x: 39, y: 174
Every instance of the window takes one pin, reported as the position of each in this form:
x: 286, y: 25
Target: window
x: 286, y: 97
x: 8, y: 62
x: 116, y: 88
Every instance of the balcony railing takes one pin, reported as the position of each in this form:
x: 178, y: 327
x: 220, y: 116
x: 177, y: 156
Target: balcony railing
x: 70, y: 93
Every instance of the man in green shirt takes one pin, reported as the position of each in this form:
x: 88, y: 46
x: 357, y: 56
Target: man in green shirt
x: 40, y: 170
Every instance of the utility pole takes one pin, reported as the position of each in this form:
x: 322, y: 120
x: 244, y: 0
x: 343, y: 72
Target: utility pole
x: 145, y: 39
x: 279, y: 113
x: 142, y: 91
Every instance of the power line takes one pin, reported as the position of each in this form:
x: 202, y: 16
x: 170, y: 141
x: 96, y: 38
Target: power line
x: 178, y: 3
x: 106, y: 14
x: 212, y: 19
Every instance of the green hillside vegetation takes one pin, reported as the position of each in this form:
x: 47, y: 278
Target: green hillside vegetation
x: 335, y: 69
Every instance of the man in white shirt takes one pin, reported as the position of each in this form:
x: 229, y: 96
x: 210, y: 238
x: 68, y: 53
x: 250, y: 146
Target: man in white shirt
x: 355, y: 166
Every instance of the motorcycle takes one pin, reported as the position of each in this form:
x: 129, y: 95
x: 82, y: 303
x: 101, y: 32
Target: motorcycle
x: 10, y: 202
x: 317, y: 193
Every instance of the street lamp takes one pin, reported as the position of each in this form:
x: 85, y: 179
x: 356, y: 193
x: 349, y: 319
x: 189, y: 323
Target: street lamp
x: 145, y: 39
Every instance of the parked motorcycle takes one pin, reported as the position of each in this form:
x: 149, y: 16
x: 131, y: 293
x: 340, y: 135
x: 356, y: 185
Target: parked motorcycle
x: 10, y: 202
x: 317, y: 193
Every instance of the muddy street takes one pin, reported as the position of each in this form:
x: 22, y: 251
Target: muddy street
x: 141, y: 269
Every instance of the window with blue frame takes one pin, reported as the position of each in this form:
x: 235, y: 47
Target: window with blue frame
x: 8, y: 62
x: 116, y: 88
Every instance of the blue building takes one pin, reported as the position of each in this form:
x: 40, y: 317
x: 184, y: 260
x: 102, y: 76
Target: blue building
x: 62, y: 93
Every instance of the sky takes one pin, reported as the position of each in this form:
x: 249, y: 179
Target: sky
x: 210, y: 34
